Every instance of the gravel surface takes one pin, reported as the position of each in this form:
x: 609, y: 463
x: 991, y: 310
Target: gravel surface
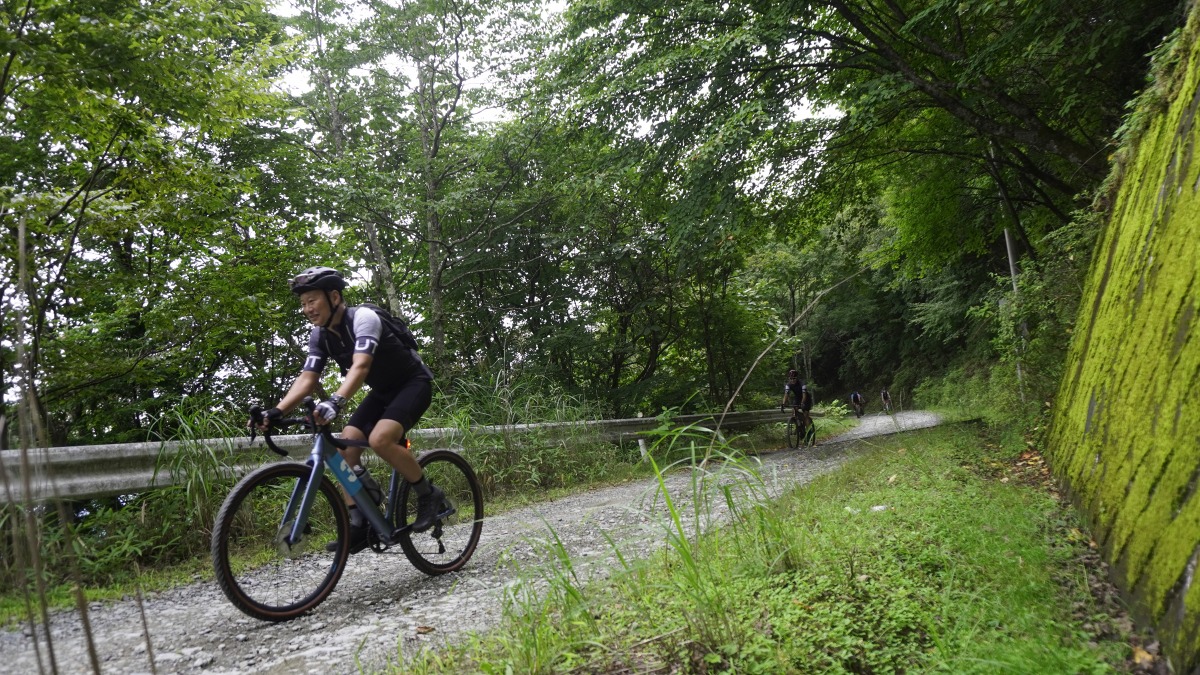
x: 383, y: 609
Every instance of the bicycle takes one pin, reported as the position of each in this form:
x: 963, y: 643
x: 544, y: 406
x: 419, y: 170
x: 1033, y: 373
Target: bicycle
x: 799, y: 434
x: 269, y: 541
x: 858, y: 409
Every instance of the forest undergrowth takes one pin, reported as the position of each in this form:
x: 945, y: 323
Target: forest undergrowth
x: 946, y: 550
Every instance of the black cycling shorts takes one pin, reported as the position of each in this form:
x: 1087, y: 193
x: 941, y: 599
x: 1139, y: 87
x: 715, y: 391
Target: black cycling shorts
x: 404, y: 405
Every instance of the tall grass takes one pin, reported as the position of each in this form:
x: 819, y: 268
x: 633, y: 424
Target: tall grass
x: 201, y: 470
x: 105, y: 542
x: 509, y: 462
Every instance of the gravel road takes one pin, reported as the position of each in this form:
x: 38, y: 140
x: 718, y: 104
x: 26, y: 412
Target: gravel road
x: 383, y: 609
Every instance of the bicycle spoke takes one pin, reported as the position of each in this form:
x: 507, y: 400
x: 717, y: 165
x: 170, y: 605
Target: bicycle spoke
x: 261, y: 569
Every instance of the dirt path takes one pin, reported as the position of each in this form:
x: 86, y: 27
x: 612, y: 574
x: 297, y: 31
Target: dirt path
x: 374, y: 615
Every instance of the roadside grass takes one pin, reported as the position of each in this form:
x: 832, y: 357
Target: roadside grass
x: 933, y: 552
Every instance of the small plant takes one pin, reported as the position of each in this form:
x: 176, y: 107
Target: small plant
x: 834, y: 410
x: 201, y: 463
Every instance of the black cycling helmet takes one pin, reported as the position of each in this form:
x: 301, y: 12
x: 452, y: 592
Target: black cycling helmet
x: 322, y: 279
x: 317, y: 279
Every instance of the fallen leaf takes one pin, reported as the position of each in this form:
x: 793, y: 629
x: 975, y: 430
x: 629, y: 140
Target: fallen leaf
x: 1141, y: 657
x: 892, y: 479
x: 421, y: 630
x: 1004, y: 480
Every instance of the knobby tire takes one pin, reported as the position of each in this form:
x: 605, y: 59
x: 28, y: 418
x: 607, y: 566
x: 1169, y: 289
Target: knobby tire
x: 262, y: 576
x: 793, y: 433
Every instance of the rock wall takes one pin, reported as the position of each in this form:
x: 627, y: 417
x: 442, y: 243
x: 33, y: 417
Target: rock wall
x: 1125, y: 437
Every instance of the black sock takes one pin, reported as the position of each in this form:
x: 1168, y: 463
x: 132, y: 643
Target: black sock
x: 422, y: 487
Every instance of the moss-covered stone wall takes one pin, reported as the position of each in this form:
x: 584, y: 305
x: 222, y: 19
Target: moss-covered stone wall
x: 1126, y: 432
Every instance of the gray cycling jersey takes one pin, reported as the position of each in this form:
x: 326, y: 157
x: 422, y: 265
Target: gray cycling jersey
x: 362, y: 332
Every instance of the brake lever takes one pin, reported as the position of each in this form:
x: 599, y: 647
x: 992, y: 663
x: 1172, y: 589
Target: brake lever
x: 256, y: 416
x: 255, y: 419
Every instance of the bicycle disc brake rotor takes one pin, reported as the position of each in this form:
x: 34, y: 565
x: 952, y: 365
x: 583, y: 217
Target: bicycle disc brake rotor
x: 289, y: 550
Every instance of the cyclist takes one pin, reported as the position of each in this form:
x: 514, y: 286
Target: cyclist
x: 887, y: 400
x: 401, y: 387
x: 801, y: 399
x: 856, y: 400
x: 806, y: 424
x: 791, y: 389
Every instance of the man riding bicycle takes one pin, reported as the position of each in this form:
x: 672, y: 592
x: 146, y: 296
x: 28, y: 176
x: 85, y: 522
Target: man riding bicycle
x: 857, y: 400
x: 791, y: 389
x: 887, y: 400
x: 800, y: 397
x: 401, y: 387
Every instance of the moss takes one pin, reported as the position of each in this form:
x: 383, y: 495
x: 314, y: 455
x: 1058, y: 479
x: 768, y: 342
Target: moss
x: 1123, y: 439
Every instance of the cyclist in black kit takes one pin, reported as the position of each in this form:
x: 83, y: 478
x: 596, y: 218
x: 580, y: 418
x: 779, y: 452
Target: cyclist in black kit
x: 857, y: 400
x: 801, y: 400
x: 791, y: 390
x: 370, y: 353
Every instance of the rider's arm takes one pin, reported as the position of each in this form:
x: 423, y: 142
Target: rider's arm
x: 304, y: 385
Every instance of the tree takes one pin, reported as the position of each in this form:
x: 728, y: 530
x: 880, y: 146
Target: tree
x: 111, y: 110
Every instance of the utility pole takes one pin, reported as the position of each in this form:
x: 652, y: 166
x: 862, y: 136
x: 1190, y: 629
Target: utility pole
x: 1011, y: 247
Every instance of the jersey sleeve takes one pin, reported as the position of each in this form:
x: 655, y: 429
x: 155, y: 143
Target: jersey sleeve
x: 368, y: 328
x: 315, y: 362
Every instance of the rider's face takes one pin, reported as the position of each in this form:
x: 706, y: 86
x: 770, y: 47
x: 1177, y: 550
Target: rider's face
x: 315, y: 306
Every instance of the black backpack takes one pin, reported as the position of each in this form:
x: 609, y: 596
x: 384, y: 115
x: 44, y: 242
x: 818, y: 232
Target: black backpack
x: 398, y: 326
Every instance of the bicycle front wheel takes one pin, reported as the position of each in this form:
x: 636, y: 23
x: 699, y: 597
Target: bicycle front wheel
x: 793, y: 433
x: 449, y: 544
x: 263, y: 573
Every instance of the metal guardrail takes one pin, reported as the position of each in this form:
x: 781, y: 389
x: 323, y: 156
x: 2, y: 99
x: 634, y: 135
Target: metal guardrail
x: 79, y: 472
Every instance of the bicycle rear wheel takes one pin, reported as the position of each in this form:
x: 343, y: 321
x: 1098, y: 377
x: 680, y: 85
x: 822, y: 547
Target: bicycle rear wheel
x: 259, y: 571
x: 793, y: 433
x: 449, y: 544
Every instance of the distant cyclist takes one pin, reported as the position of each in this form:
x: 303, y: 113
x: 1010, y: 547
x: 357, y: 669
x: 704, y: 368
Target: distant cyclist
x: 791, y: 390
x: 857, y: 400
x: 800, y: 398
x: 887, y: 400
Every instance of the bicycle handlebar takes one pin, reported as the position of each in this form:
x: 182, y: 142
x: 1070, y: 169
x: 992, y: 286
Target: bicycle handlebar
x: 257, y: 414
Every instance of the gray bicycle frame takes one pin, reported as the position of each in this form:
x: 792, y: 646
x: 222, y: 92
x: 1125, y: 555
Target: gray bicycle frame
x: 324, y: 454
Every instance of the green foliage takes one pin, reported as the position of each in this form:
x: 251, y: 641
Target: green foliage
x: 912, y: 558
x: 111, y: 150
x: 200, y: 467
